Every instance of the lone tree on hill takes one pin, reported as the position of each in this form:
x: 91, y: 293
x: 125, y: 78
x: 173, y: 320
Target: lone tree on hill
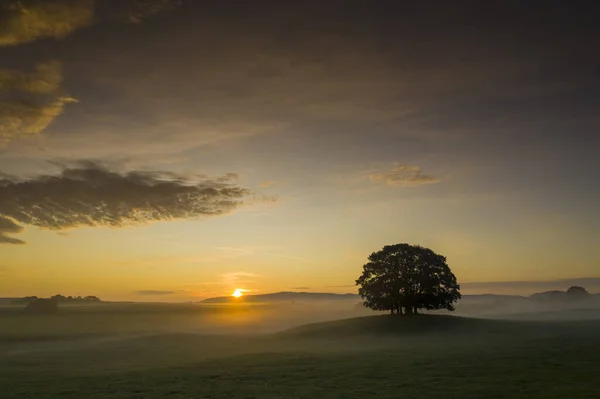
x: 404, y: 278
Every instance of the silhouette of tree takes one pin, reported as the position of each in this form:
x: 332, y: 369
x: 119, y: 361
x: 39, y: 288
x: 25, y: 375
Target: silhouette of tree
x: 576, y: 292
x: 404, y: 278
x: 59, y: 299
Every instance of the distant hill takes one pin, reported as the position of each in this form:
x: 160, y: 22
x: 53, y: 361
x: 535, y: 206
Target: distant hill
x: 7, y: 301
x: 491, y: 298
x: 285, y: 297
x: 577, y: 294
x: 554, y: 295
x: 446, y: 326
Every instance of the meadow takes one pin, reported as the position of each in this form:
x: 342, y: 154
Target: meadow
x: 275, y: 351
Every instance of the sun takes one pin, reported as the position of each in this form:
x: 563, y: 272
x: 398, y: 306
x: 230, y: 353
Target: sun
x: 237, y: 293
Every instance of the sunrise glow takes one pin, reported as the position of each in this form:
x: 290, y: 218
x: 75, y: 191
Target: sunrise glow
x: 237, y: 293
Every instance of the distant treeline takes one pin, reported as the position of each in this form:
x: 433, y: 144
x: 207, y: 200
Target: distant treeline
x: 59, y: 299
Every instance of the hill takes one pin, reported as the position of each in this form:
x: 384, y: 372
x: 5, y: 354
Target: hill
x: 528, y: 362
x: 386, y: 325
x: 425, y: 325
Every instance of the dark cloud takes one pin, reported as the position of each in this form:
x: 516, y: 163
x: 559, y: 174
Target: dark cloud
x: 31, y: 100
x: 154, y: 292
x: 91, y: 194
x: 23, y: 21
x: 403, y: 176
x: 276, y: 67
x: 46, y: 78
x: 8, y: 226
x: 136, y: 11
x: 21, y: 118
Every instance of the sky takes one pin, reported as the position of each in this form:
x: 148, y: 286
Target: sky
x: 178, y: 150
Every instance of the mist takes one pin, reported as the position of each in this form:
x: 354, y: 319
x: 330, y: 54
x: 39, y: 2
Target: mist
x: 107, y: 349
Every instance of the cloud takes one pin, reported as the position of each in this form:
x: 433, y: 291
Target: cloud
x: 403, y: 176
x: 136, y: 11
x: 300, y: 288
x: 237, y: 276
x: 91, y: 194
x: 154, y: 292
x: 8, y: 226
x: 24, y: 21
x: 46, y: 78
x: 233, y: 252
x: 233, y: 278
x: 340, y: 286
x: 25, y: 118
x: 267, y: 184
x: 33, y: 100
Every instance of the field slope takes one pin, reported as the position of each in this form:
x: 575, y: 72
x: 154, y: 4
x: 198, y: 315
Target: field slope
x: 380, y: 356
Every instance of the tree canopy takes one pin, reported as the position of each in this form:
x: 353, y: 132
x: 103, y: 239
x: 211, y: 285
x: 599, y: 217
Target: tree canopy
x: 576, y: 292
x: 60, y: 299
x: 404, y: 278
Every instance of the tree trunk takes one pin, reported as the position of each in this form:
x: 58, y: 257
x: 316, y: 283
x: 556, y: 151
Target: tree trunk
x: 415, y: 310
x: 408, y: 310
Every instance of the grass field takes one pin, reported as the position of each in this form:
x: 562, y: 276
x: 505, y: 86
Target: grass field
x: 86, y: 353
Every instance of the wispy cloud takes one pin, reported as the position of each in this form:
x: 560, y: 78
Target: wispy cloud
x: 237, y: 252
x: 8, y: 226
x: 91, y: 194
x: 25, y: 118
x: 154, y: 292
x: 340, y: 286
x: 46, y: 78
x: 290, y: 257
x: 238, y: 277
x: 162, y: 261
x: 136, y: 11
x: 267, y: 184
x: 35, y: 99
x: 403, y: 176
x: 24, y: 21
x: 31, y: 100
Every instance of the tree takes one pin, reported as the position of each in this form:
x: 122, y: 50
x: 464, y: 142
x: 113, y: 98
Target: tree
x: 577, y: 293
x: 404, y: 278
x: 25, y: 300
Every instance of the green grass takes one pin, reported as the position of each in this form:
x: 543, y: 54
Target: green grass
x: 382, y: 357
